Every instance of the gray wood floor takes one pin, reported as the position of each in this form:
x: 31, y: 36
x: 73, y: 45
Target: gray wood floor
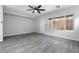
x: 38, y: 43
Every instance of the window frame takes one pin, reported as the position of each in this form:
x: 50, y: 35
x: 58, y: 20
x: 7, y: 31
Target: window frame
x: 71, y: 15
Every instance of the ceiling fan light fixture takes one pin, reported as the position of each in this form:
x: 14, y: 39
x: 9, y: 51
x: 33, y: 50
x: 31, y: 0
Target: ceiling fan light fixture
x: 35, y: 10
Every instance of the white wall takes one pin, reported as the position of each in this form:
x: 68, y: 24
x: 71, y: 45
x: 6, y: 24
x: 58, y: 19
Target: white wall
x: 1, y: 19
x: 42, y: 23
x: 14, y: 25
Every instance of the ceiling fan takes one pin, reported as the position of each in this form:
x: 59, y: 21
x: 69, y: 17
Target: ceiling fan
x: 35, y: 9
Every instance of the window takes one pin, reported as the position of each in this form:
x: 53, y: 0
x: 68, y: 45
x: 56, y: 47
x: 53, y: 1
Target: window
x: 61, y: 23
x: 69, y: 22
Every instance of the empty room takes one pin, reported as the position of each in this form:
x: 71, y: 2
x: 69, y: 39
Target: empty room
x: 39, y: 29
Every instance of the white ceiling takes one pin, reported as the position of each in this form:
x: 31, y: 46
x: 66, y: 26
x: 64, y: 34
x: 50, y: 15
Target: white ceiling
x: 22, y: 10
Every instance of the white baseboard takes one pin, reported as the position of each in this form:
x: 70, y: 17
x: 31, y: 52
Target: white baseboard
x: 62, y: 37
x: 16, y: 34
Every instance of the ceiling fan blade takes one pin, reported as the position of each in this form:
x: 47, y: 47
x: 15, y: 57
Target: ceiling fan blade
x: 31, y: 7
x: 38, y: 11
x: 39, y: 6
x: 41, y: 9
x: 33, y: 11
